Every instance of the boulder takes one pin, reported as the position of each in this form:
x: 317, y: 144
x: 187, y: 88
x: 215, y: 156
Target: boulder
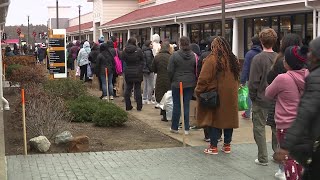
x: 64, y: 137
x: 40, y: 143
x: 79, y: 144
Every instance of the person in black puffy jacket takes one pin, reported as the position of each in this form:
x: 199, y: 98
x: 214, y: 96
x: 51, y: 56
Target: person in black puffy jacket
x: 133, y: 58
x: 105, y: 60
x: 305, y: 130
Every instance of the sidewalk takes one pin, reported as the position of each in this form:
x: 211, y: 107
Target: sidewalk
x: 172, y: 163
x: 151, y: 116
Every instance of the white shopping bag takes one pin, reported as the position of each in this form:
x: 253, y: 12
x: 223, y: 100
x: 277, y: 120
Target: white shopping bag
x: 77, y: 71
x: 167, y: 104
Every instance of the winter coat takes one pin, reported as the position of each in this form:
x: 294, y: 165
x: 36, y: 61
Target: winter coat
x: 93, y: 58
x: 159, y: 66
x: 133, y: 58
x: 226, y: 115
x: 307, y: 123
x: 42, y: 53
x: 148, y: 59
x: 75, y: 51
x: 247, y: 63
x: 83, y: 56
x: 286, y: 89
x: 278, y: 68
x: 182, y: 68
x: 105, y: 60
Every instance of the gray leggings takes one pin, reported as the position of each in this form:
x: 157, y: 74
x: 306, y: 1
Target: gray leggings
x: 148, y: 83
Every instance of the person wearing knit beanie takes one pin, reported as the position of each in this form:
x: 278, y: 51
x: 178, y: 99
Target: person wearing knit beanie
x: 296, y: 57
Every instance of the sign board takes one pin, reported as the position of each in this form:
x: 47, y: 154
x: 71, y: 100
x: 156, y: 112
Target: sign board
x: 57, y: 53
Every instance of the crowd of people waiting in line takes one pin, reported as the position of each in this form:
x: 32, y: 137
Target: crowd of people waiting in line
x: 284, y: 90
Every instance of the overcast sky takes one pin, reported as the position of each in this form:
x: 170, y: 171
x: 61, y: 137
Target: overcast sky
x: 38, y: 11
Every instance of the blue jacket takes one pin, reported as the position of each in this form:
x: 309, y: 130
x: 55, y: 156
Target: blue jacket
x: 247, y: 63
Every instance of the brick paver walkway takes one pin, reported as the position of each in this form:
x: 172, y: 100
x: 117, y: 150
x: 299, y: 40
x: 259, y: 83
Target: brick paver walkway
x: 172, y: 163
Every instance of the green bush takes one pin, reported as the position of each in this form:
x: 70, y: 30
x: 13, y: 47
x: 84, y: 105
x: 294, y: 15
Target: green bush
x: 92, y: 109
x: 109, y: 115
x: 12, y: 68
x: 83, y: 108
x: 68, y: 89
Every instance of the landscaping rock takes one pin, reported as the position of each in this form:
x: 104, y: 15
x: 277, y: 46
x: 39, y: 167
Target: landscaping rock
x: 40, y: 143
x: 64, y: 137
x: 79, y: 144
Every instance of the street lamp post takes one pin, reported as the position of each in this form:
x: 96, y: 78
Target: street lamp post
x: 28, y: 31
x: 223, y: 18
x: 79, y: 22
x: 57, y: 9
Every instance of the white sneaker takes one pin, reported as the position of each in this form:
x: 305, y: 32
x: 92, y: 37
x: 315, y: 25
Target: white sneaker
x: 174, y: 131
x: 111, y: 97
x: 186, y: 132
x: 280, y: 175
x: 105, y: 98
x: 260, y: 163
x: 144, y: 102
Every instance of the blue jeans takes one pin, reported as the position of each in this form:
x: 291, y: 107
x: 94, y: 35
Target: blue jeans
x: 104, y: 84
x: 248, y: 112
x: 215, y: 135
x: 187, y: 95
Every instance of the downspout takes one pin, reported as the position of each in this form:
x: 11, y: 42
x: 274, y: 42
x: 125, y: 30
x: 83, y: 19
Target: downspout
x: 314, y: 18
x: 6, y: 103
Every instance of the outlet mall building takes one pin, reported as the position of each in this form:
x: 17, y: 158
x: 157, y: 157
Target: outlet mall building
x: 197, y: 19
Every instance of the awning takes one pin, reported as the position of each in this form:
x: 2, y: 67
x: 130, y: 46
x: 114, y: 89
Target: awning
x: 83, y: 27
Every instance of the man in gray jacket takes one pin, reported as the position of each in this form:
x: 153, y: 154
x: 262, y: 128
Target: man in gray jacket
x: 260, y: 67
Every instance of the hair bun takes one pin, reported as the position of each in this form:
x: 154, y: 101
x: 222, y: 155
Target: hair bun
x: 304, y: 50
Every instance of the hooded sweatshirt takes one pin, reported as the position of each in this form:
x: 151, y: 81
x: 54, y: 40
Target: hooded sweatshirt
x: 182, y: 68
x: 83, y: 57
x: 156, y: 44
x: 287, y: 89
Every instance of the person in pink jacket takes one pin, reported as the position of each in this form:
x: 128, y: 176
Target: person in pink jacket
x: 287, y: 89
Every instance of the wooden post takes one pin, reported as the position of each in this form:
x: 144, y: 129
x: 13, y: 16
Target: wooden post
x: 107, y: 81
x: 182, y: 115
x: 24, y: 122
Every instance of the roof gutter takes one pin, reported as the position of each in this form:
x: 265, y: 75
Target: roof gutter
x: 176, y: 15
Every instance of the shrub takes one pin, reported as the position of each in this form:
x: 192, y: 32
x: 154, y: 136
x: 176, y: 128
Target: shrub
x: 83, y: 108
x: 109, y: 115
x: 68, y: 89
x: 28, y: 74
x: 12, y: 68
x: 22, y: 60
x: 46, y: 115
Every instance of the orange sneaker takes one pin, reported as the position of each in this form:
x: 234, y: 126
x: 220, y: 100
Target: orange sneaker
x: 211, y: 150
x: 226, y: 148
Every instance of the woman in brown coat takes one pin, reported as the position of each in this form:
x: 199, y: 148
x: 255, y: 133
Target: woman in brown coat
x: 220, y: 71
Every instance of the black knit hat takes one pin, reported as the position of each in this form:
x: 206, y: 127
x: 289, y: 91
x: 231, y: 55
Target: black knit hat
x: 296, y: 57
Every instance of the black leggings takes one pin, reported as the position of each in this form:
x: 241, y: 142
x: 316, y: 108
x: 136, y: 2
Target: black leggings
x: 83, y: 72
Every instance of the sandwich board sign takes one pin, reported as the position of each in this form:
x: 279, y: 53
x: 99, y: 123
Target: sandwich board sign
x: 57, y: 53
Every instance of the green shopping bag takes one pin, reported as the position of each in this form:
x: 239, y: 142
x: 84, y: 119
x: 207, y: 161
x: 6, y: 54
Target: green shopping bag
x: 243, y: 95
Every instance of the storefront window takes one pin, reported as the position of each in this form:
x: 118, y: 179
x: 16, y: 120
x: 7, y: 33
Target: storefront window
x: 309, y: 36
x: 299, y: 25
x: 249, y: 33
x: 260, y: 24
x: 216, y: 29
x: 195, y: 32
x: 285, y: 25
x: 207, y: 30
x: 228, y: 27
x: 175, y: 33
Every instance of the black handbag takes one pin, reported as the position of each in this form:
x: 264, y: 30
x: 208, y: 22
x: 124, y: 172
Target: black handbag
x: 210, y: 99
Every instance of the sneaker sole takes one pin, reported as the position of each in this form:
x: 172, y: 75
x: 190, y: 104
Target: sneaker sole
x: 209, y: 153
x: 226, y: 152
